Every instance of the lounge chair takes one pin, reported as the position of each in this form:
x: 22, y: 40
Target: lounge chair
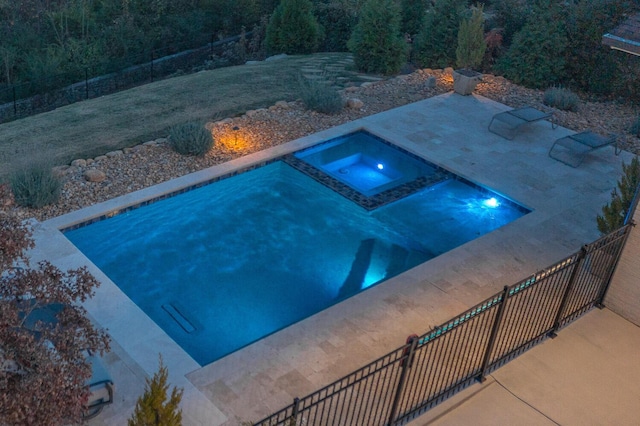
x: 511, y: 121
x: 571, y: 150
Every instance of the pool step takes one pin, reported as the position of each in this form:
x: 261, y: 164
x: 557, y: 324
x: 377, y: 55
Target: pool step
x: 179, y: 318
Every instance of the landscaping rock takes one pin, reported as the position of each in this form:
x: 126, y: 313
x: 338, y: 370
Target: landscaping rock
x: 94, y: 175
x: 79, y: 163
x: 354, y: 103
x: 114, y: 153
x: 430, y: 83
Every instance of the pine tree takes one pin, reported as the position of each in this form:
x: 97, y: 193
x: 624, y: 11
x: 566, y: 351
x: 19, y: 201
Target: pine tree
x: 615, y: 212
x: 292, y: 28
x: 471, y: 44
x: 376, y: 42
x: 152, y: 408
x: 536, y: 57
x: 412, y: 15
x: 435, y: 44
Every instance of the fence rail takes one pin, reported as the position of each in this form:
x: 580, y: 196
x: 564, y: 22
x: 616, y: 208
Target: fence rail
x: 428, y: 369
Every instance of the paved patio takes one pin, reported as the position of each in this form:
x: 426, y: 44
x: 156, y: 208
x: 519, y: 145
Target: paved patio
x: 449, y: 130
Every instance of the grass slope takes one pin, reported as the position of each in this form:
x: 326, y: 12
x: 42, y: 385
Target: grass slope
x: 96, y: 126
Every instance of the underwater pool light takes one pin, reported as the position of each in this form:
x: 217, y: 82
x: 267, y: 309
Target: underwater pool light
x: 380, y: 166
x: 491, y: 202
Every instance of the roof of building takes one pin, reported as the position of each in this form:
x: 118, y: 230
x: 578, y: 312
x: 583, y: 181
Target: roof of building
x: 626, y: 36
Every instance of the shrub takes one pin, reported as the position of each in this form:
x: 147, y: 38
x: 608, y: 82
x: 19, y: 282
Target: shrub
x: 412, y: 15
x: 152, y: 408
x: 435, y: 45
x: 635, y: 127
x: 190, y: 139
x: 536, y: 56
x: 561, y: 98
x: 319, y: 96
x: 590, y: 65
x: 510, y: 16
x: 376, y: 42
x: 35, y: 186
x: 337, y: 20
x: 614, y: 213
x: 471, y: 42
x: 292, y: 28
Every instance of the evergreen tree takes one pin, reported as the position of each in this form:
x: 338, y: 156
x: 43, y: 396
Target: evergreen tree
x: 590, y: 65
x: 471, y: 44
x: 293, y: 29
x: 337, y: 19
x: 435, y: 44
x: 412, y: 15
x: 614, y: 213
x: 536, y: 56
x: 376, y: 42
x: 152, y: 408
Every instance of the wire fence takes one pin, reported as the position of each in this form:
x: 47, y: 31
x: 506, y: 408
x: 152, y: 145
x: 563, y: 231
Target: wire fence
x: 37, y: 96
x: 428, y: 369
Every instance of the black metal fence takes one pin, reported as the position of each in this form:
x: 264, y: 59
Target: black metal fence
x: 401, y: 385
x: 33, y: 97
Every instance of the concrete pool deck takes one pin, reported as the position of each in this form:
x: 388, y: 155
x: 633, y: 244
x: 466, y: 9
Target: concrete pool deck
x: 449, y: 130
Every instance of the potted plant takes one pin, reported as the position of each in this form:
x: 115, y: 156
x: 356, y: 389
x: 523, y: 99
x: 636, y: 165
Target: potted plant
x: 469, y: 53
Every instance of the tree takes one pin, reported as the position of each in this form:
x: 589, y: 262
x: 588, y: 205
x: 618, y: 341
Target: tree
x: 471, y: 43
x: 615, y: 212
x: 376, y: 42
x: 435, y: 44
x: 536, y: 57
x: 590, y: 65
x: 43, y: 334
x: 412, y: 15
x: 152, y: 408
x: 337, y: 19
x: 293, y: 29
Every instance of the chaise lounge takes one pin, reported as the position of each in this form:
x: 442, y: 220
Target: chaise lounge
x: 511, y: 121
x: 572, y: 149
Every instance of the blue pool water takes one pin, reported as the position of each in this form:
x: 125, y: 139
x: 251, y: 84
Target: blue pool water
x: 365, y: 163
x: 226, y: 264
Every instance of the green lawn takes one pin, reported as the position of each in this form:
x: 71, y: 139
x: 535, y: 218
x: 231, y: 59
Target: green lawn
x: 93, y: 127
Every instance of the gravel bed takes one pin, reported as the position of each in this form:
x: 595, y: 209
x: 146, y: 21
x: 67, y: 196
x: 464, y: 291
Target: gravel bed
x: 154, y: 162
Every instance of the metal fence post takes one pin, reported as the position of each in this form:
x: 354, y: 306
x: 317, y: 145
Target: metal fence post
x: 405, y: 364
x: 294, y: 411
x: 86, y: 83
x: 494, y: 334
x: 565, y: 297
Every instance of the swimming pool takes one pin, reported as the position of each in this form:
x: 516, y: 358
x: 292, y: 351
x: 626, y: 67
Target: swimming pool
x: 221, y: 266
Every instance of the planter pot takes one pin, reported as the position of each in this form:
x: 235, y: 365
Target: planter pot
x: 464, y: 81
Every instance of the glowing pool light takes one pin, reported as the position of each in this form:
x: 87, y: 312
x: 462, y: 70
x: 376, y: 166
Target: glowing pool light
x: 491, y: 202
x: 380, y: 166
